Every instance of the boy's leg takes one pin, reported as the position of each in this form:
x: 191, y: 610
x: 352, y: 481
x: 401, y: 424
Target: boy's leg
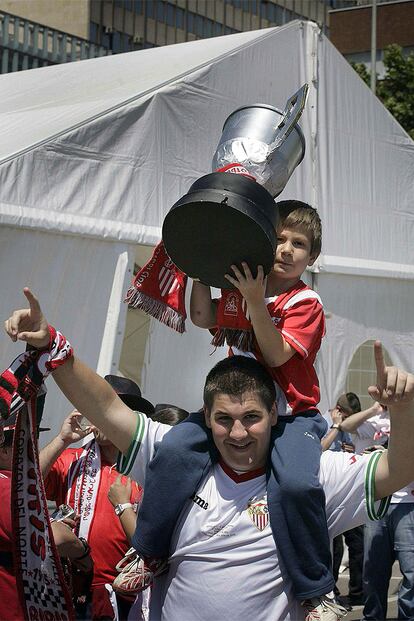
x: 172, y: 477
x: 297, y: 504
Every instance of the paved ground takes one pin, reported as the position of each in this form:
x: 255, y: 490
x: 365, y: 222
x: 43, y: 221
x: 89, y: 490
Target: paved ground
x: 356, y: 612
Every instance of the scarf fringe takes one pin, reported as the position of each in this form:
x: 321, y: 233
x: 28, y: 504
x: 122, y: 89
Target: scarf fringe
x: 242, y: 339
x: 157, y: 309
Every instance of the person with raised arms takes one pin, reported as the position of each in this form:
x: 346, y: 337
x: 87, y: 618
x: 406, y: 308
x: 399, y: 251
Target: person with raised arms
x: 223, y: 560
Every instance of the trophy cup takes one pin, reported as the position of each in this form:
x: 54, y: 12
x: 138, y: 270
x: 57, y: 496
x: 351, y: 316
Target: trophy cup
x: 224, y: 218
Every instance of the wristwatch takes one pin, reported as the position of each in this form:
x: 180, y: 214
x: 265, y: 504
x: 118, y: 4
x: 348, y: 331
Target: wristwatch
x: 119, y: 509
x: 336, y: 426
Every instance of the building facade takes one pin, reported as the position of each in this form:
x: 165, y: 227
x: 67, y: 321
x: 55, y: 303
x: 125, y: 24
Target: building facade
x: 350, y: 29
x: 40, y: 32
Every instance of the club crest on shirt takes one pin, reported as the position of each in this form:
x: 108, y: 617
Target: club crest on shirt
x: 258, y: 512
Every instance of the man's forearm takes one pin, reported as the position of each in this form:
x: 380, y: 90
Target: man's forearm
x: 352, y: 422
x: 94, y: 397
x: 49, y: 454
x: 202, y: 308
x: 396, y: 466
x: 329, y: 438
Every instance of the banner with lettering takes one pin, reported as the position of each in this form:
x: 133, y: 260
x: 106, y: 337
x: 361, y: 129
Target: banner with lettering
x: 39, y: 576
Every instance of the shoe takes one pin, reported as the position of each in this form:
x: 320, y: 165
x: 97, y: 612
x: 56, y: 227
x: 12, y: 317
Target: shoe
x: 135, y: 575
x: 323, y: 608
x: 343, y: 600
x: 356, y: 600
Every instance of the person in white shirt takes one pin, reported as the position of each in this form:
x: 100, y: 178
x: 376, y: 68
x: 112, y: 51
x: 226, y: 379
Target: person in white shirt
x: 223, y: 561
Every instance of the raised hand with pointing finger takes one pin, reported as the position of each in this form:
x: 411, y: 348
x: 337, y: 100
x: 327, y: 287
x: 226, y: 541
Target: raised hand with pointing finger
x: 393, y: 385
x: 29, y: 324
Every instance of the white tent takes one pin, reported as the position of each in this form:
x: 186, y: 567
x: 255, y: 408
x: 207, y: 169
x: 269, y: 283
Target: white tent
x: 93, y: 154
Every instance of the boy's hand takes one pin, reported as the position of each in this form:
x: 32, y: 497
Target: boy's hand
x: 252, y: 289
x: 394, y: 386
x: 29, y: 324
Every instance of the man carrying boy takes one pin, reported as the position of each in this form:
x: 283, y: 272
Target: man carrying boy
x: 224, y: 562
x: 279, y: 321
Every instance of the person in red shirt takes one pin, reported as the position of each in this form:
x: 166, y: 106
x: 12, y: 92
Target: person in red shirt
x: 68, y: 545
x: 81, y: 477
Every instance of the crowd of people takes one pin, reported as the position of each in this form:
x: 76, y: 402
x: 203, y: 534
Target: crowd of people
x: 243, y: 497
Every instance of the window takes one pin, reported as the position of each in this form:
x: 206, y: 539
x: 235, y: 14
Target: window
x: 161, y: 11
x: 179, y: 17
x: 138, y: 7
x: 170, y: 14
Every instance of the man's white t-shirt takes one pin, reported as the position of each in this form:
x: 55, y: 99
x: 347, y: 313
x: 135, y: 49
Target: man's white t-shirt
x: 375, y: 430
x: 224, y: 563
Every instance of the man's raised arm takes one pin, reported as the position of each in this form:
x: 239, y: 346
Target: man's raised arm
x: 395, y: 389
x: 87, y: 391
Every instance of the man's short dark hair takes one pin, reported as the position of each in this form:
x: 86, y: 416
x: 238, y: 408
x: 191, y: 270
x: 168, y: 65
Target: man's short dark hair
x: 237, y: 375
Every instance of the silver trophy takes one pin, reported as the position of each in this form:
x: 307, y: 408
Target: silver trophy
x: 224, y: 218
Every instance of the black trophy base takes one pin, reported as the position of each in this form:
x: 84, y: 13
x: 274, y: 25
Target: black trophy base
x: 223, y: 220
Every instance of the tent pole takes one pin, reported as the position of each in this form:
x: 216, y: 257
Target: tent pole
x: 374, y: 46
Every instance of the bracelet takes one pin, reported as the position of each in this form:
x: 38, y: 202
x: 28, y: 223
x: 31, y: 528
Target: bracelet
x: 87, y: 548
x: 336, y: 426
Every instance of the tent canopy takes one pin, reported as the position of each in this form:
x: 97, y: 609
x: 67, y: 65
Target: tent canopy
x: 93, y: 154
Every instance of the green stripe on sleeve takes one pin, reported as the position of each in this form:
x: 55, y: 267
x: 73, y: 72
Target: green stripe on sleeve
x: 374, y: 514
x: 125, y: 462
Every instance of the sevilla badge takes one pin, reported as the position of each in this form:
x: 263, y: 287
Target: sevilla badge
x: 258, y: 512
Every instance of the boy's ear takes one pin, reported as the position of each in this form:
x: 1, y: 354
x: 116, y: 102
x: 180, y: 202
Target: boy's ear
x: 207, y: 417
x: 313, y: 258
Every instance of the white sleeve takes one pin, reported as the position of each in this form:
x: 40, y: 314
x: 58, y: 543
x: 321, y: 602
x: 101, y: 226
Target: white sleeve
x: 366, y: 431
x: 349, y: 484
x: 141, y: 450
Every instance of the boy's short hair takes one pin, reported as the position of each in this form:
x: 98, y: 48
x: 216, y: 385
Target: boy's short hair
x: 237, y: 375
x: 296, y: 214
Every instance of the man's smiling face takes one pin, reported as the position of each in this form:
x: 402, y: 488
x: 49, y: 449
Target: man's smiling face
x: 241, y: 430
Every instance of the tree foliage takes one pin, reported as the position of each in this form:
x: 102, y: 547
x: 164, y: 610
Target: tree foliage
x: 396, y: 88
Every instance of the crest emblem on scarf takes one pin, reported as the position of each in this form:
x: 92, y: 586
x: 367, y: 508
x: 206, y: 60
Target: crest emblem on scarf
x: 231, y: 305
x: 167, y: 280
x: 258, y: 512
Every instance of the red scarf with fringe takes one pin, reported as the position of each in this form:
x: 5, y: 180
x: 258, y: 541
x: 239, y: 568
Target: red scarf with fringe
x: 159, y: 287
x: 159, y: 290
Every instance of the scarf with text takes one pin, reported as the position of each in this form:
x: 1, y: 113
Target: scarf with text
x: 84, y: 480
x: 39, y: 577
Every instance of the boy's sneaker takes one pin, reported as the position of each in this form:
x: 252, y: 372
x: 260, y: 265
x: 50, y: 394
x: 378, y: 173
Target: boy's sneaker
x: 135, y: 574
x: 323, y: 608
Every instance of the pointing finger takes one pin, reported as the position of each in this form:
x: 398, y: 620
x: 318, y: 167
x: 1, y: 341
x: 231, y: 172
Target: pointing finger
x: 380, y: 365
x: 32, y: 299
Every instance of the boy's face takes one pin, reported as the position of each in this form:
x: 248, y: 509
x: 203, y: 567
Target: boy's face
x: 293, y: 254
x: 241, y: 430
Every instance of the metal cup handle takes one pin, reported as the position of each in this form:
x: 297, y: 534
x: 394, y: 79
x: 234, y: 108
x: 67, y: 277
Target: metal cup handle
x: 291, y: 114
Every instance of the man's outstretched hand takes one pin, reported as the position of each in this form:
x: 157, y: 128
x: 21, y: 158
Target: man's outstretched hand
x: 393, y: 386
x: 29, y: 324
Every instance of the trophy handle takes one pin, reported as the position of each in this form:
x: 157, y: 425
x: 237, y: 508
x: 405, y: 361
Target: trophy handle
x: 291, y: 114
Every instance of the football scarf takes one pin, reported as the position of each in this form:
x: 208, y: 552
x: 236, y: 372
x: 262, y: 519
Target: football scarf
x: 159, y: 290
x: 39, y: 577
x: 233, y: 325
x: 159, y: 287
x: 83, y: 486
